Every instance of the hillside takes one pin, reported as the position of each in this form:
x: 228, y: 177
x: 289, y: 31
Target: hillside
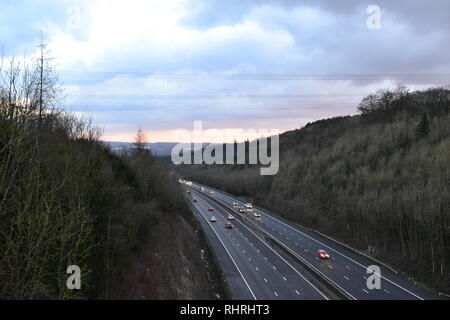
x: 67, y: 199
x: 381, y: 178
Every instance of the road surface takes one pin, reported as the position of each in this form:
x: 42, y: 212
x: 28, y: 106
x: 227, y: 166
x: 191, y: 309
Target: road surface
x: 253, y: 269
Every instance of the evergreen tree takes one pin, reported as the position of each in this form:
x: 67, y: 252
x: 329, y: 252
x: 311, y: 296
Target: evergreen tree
x: 423, y: 127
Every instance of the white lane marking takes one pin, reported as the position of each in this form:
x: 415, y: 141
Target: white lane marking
x: 305, y: 250
x: 347, y: 267
x: 346, y: 277
x: 284, y: 279
x: 265, y: 280
x: 386, y: 291
x: 274, y: 267
x: 330, y: 267
x: 276, y: 293
x: 265, y: 258
x: 365, y: 278
x: 239, y: 270
x: 365, y: 290
x: 297, y: 292
x: 257, y: 269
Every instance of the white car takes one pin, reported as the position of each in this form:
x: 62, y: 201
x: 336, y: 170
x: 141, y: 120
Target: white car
x: 257, y: 215
x: 248, y: 206
x: 230, y: 217
x: 235, y: 204
x: 213, y: 219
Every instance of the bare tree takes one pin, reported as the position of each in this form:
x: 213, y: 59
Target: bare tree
x: 140, y: 140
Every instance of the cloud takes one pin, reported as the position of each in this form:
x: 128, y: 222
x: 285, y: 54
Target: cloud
x: 227, y: 37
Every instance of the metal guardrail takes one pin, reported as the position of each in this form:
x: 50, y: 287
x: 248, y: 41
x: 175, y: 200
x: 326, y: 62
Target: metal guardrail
x: 441, y: 294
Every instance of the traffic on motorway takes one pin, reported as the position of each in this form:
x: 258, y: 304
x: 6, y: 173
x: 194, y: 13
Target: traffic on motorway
x: 345, y: 269
x: 252, y: 268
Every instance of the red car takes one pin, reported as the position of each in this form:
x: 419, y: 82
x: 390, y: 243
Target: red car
x: 210, y: 209
x: 322, y: 254
x: 194, y: 200
x: 229, y: 226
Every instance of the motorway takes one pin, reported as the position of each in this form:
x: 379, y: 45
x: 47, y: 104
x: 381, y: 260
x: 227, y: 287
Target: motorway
x: 346, y: 270
x: 253, y: 270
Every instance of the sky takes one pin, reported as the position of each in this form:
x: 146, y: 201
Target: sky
x: 234, y: 65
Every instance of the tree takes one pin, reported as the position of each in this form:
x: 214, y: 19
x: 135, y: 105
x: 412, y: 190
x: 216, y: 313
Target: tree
x: 369, y: 104
x: 140, y: 141
x: 423, y: 127
x: 45, y: 88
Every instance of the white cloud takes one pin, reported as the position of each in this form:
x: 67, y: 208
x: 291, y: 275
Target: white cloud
x: 246, y: 36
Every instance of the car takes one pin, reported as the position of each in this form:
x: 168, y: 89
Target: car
x: 235, y: 204
x: 210, y: 209
x: 322, y: 254
x: 188, y: 191
x: 248, y: 206
x: 194, y: 200
x: 213, y: 219
x: 257, y: 215
x: 212, y: 194
x: 229, y: 226
x: 230, y: 217
x: 241, y: 210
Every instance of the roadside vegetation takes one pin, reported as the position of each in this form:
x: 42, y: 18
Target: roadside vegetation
x: 67, y: 199
x: 381, y: 178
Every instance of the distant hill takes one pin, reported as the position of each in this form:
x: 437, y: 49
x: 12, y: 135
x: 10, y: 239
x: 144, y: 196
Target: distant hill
x: 158, y: 148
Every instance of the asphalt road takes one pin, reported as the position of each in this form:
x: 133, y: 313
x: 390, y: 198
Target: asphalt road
x: 253, y: 270
x: 346, y: 269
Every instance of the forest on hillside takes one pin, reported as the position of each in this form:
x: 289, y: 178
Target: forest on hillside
x: 66, y: 199
x: 380, y: 178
